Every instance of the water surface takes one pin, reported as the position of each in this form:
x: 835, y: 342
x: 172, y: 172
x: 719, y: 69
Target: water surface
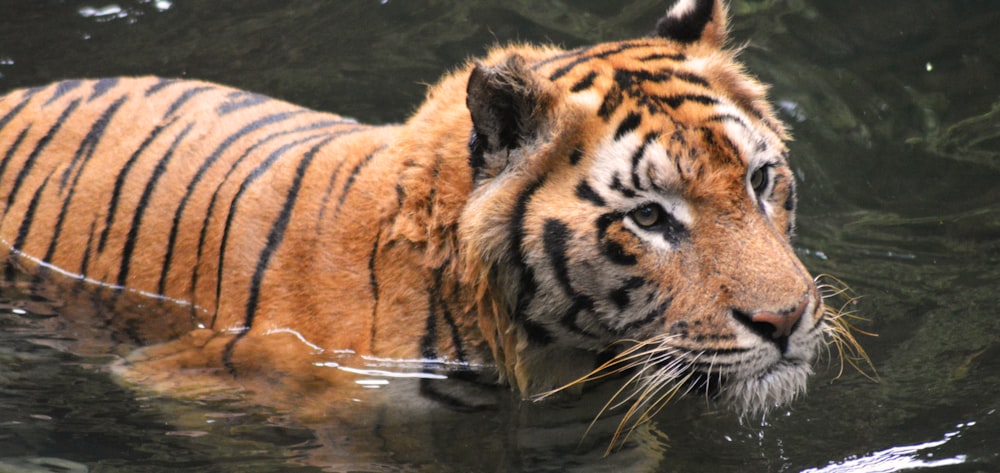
x: 895, y: 109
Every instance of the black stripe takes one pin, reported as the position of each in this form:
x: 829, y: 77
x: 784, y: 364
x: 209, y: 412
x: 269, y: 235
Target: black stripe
x: 39, y: 147
x: 91, y: 140
x: 449, y: 320
x: 527, y: 286
x: 373, y: 285
x: 564, y: 55
x: 774, y: 127
x: 630, y: 78
x: 571, y: 319
x: 239, y: 101
x: 86, y: 254
x: 54, y: 242
x: 428, y: 343
x: 734, y: 151
x: 203, y: 233
x: 621, y: 296
x: 329, y: 190
x: 351, y: 178
x: 160, y: 85
x: 121, y: 178
x: 727, y: 117
x: 537, y: 334
x: 372, y: 260
x: 555, y: 240
x: 612, y: 100
x: 277, y: 233
x: 101, y: 87
x: 62, y: 88
x: 637, y: 158
x: 28, y: 94
x: 628, y: 124
x: 255, y: 174
x: 761, y: 147
x: 691, y: 78
x: 11, y: 151
x: 585, y: 192
x: 677, y: 138
x: 612, y: 249
x: 585, y: 83
x: 83, y: 154
x: 29, y: 216
x: 575, y: 156
x: 516, y: 225
x: 200, y: 174
x: 274, y: 236
x: 435, y: 180
x: 654, y: 315
x: 184, y: 98
x: 582, y: 58
x: 678, y: 57
x: 711, y: 353
x: 675, y: 101
x: 789, y: 204
x: 140, y: 208
x: 616, y: 184
x: 673, y: 230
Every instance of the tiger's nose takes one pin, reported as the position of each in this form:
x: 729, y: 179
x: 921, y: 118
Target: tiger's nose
x: 776, y: 326
x: 782, y: 323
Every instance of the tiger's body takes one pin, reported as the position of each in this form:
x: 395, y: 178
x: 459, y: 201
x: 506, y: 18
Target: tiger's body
x: 539, y: 209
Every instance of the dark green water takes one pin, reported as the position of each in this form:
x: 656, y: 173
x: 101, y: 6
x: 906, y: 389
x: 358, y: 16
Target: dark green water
x: 895, y: 108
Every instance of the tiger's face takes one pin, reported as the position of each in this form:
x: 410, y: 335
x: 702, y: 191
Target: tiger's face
x: 636, y: 198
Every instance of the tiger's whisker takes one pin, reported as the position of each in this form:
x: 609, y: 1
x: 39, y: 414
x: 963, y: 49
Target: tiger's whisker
x: 840, y: 329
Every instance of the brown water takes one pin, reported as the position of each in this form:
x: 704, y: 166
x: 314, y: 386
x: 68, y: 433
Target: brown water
x: 895, y: 108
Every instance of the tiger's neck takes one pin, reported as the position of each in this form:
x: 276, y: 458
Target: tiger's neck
x: 419, y: 234
x: 482, y: 293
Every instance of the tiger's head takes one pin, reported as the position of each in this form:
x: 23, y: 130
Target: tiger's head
x: 634, y: 200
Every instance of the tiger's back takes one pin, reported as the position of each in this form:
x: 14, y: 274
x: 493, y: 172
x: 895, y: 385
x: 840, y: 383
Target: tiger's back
x: 154, y: 186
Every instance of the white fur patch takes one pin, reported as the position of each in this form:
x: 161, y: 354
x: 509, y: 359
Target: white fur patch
x: 616, y: 173
x: 681, y: 9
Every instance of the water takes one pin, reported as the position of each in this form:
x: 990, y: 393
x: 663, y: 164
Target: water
x: 894, y: 108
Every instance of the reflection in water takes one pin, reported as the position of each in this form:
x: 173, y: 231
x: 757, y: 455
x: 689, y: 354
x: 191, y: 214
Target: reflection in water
x: 905, y: 457
x: 339, y: 411
x: 114, y: 11
x: 109, y: 12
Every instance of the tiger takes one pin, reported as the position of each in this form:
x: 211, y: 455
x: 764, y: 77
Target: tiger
x: 547, y: 216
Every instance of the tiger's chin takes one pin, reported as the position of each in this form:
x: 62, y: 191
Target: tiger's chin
x: 757, y: 393
x: 748, y: 391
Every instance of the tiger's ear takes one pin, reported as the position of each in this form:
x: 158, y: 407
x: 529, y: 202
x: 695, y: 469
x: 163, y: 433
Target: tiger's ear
x: 692, y: 21
x: 508, y: 104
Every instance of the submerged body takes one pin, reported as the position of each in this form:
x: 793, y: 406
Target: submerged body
x: 542, y: 210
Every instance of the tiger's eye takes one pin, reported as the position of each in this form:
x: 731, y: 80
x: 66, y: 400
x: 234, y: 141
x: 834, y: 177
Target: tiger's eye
x: 758, y: 180
x: 648, y: 215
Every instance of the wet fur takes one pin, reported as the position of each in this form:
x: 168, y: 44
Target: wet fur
x: 494, y: 228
